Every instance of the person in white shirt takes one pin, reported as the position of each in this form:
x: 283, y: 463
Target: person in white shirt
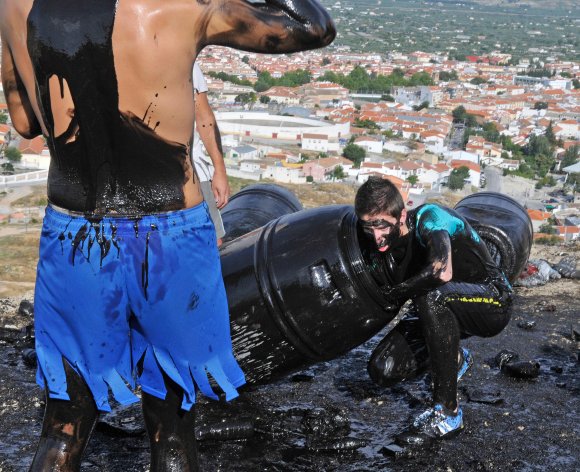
x: 214, y: 187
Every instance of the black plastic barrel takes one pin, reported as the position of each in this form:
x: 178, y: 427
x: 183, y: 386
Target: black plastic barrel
x: 300, y: 291
x: 504, y: 225
x: 256, y: 205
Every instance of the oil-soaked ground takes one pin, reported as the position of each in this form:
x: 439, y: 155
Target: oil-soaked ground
x: 331, y: 417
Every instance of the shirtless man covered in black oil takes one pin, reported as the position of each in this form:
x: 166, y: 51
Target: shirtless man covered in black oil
x: 129, y: 289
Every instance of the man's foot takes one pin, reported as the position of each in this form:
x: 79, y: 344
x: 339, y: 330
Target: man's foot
x: 435, y: 423
x: 465, y: 362
x: 439, y: 422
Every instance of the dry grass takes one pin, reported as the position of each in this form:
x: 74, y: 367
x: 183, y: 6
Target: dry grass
x: 18, y: 259
x: 448, y: 199
x: 310, y: 195
x: 37, y: 198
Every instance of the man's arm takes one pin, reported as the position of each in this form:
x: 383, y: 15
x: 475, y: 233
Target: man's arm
x: 209, y: 134
x: 21, y: 112
x: 437, y: 272
x: 275, y: 26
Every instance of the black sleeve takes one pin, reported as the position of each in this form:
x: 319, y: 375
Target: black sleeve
x: 428, y: 278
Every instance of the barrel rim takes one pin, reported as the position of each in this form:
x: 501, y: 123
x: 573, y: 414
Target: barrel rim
x: 525, y: 219
x: 261, y: 189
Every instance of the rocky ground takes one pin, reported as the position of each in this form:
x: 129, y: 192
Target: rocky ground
x: 331, y: 417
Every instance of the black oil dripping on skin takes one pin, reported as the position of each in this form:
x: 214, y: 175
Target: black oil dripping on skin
x: 106, y: 160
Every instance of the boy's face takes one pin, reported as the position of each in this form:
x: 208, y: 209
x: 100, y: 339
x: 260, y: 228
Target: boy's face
x: 384, y: 228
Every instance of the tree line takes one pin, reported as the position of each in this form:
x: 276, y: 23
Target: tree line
x: 357, y: 80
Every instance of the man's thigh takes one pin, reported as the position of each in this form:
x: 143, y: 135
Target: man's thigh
x: 480, y: 308
x: 181, y: 325
x: 81, y: 312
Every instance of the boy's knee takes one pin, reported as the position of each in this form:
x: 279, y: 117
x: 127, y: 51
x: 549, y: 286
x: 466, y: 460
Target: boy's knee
x: 393, y: 360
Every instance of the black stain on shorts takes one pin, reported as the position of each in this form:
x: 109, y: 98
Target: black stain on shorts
x: 193, y: 301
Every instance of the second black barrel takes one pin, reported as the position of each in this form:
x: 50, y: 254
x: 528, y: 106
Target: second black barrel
x: 256, y: 205
x: 505, y: 227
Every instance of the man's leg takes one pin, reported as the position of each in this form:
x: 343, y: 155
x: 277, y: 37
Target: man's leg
x: 452, y: 310
x: 441, y: 332
x: 171, y: 431
x: 66, y: 428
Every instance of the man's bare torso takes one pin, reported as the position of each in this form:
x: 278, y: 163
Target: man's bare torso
x: 115, y: 101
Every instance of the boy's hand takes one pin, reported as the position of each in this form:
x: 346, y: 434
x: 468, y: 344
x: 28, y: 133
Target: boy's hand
x: 220, y: 187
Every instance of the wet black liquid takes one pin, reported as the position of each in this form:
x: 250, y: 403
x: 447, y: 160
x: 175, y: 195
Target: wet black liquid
x: 106, y: 161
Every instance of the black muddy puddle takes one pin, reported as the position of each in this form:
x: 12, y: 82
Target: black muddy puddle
x: 331, y: 417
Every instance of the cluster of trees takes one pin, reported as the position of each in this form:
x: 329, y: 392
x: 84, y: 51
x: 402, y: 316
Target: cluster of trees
x: 12, y: 154
x: 460, y: 115
x: 422, y: 105
x: 478, y: 81
x: 536, y: 157
x: 448, y: 76
x: 357, y: 80
x: 230, y: 78
x: 3, y: 118
x: 369, y: 124
x: 265, y: 80
x: 540, y: 72
x: 457, y: 178
x: 355, y: 153
x: 571, y: 156
x: 487, y: 131
x: 293, y: 78
x: 246, y: 98
x: 7, y: 168
x: 360, y: 80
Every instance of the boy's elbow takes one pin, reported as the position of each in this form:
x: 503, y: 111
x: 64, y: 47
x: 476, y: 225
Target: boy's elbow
x: 446, y: 275
x: 442, y: 272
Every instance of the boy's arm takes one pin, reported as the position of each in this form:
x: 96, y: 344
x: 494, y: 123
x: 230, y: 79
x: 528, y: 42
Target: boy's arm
x: 19, y: 106
x: 437, y: 271
x: 272, y: 26
x: 209, y: 134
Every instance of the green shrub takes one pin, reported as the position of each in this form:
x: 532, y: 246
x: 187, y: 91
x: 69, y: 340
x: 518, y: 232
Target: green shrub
x: 548, y: 240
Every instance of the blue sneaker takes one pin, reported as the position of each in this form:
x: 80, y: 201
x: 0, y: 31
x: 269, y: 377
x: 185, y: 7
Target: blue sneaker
x: 436, y: 423
x: 465, y: 363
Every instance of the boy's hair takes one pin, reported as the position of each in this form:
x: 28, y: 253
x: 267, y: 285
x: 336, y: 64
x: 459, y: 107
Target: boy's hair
x: 378, y: 195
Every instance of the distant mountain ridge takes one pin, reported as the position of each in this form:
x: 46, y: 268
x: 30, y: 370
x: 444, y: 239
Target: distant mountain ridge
x: 540, y: 4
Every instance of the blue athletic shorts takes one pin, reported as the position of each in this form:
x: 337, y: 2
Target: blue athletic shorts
x: 112, y: 293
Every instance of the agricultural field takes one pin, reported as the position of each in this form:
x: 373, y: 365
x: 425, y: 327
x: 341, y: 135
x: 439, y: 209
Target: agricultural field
x: 524, y: 30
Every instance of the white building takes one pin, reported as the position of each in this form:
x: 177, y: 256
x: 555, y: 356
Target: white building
x: 474, y: 170
x: 461, y: 155
x: 370, y: 144
x: 251, y: 165
x: 287, y: 175
x: 319, y: 142
x: 290, y: 128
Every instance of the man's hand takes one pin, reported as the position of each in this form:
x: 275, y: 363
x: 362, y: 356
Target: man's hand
x: 220, y: 187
